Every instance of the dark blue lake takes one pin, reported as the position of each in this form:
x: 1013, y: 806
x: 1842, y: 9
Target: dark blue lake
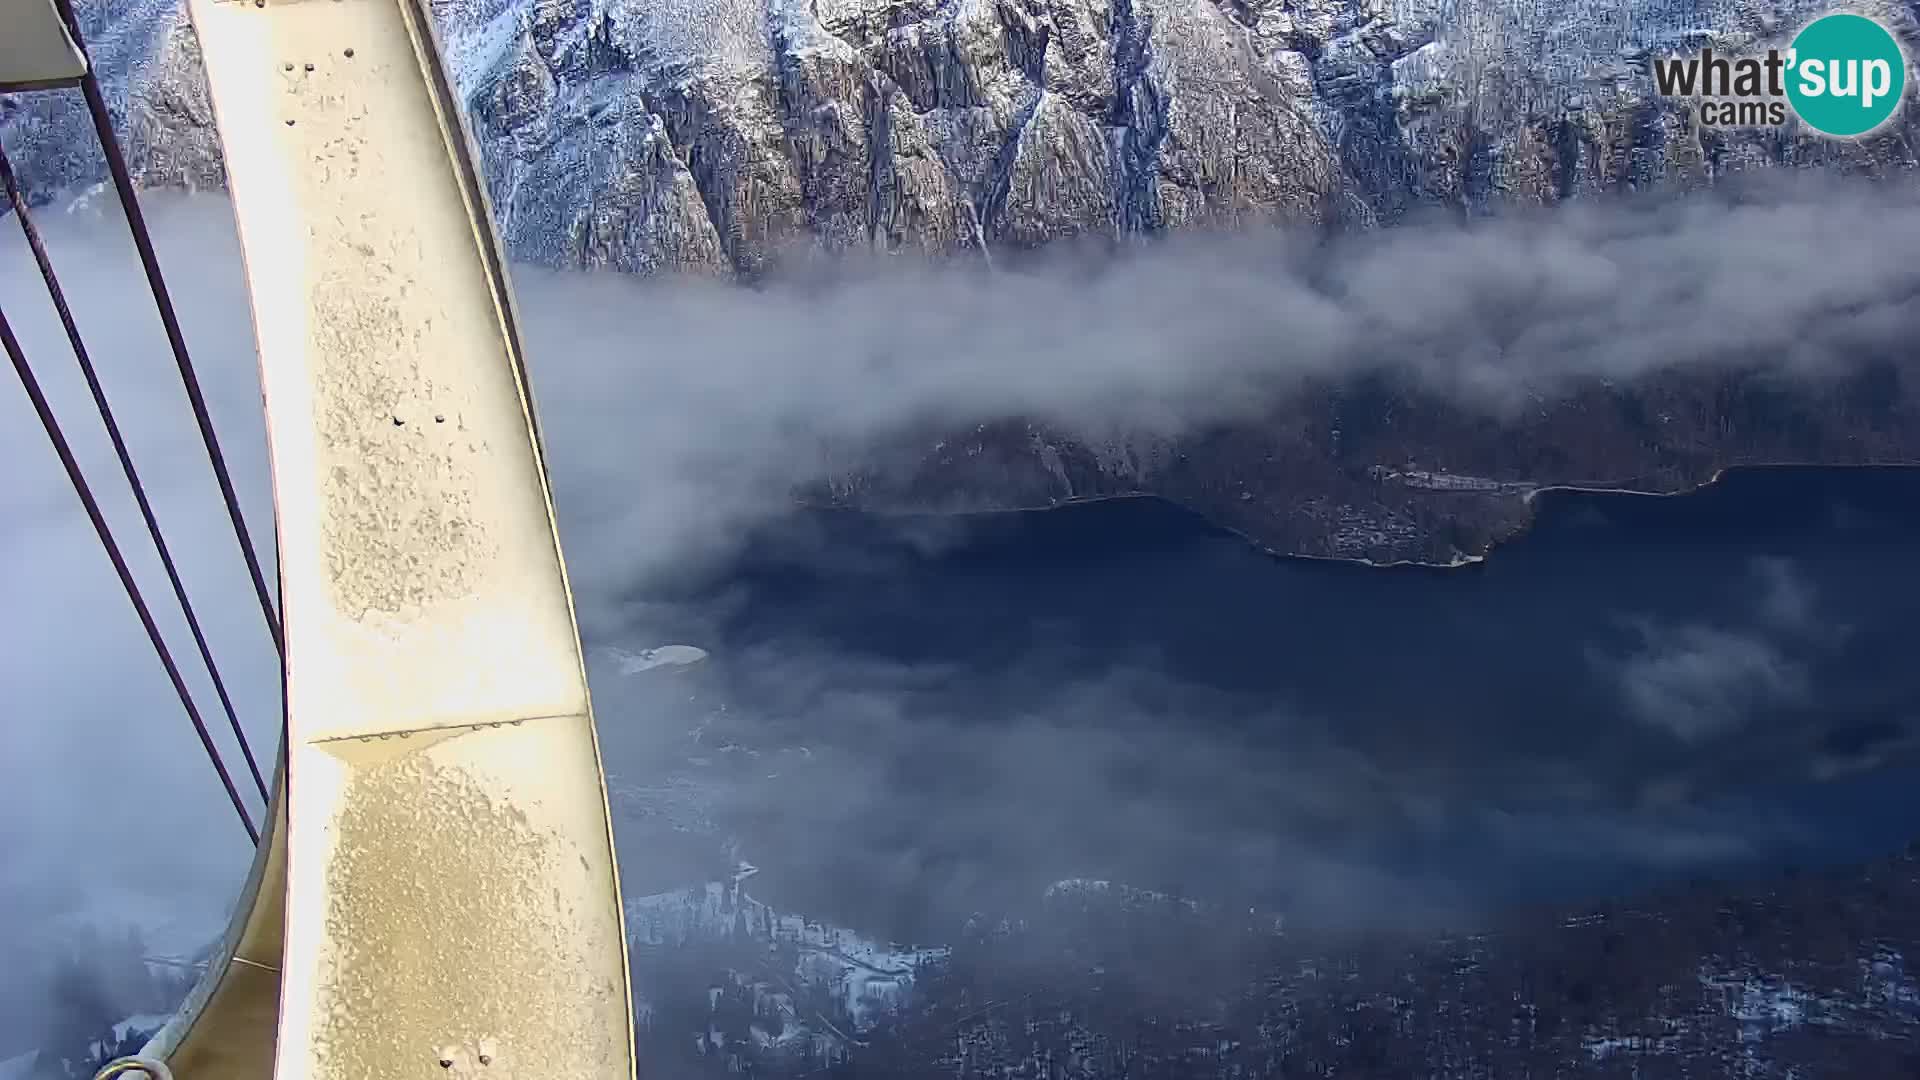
x: 907, y: 720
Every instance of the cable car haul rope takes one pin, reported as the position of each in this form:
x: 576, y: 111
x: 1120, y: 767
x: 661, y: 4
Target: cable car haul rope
x: 17, y: 199
x: 80, y: 486
x: 36, y: 30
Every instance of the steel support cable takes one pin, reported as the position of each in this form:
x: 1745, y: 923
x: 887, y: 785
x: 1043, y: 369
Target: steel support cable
x: 52, y: 425
x: 58, y: 296
x: 130, y: 206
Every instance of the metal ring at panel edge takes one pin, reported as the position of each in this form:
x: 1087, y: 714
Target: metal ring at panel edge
x: 154, y: 1069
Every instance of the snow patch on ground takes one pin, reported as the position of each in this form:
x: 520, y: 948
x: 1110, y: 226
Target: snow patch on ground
x: 632, y: 663
x: 869, y: 977
x: 142, y: 1024
x: 1125, y: 895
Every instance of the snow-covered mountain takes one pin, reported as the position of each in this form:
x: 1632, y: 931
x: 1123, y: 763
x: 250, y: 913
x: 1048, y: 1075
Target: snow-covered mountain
x: 715, y: 135
x: 719, y: 137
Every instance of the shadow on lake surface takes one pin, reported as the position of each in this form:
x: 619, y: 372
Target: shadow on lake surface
x: 905, y: 721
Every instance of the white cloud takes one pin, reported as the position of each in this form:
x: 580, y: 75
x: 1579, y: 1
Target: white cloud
x: 1697, y: 682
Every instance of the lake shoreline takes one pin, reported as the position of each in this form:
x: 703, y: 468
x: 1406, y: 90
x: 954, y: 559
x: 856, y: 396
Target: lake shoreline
x: 1531, y: 499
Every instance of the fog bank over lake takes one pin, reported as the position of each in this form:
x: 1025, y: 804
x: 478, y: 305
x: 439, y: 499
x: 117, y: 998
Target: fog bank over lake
x: 903, y: 721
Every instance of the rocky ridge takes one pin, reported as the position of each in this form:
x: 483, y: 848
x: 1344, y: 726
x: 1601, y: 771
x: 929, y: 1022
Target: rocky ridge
x: 726, y: 137
x: 719, y: 136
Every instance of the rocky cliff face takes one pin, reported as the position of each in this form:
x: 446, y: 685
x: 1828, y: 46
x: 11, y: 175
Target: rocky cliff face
x: 715, y: 133
x: 720, y: 136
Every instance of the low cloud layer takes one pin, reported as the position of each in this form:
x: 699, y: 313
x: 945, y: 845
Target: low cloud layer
x: 903, y: 797
x: 705, y: 403
x: 110, y: 814
x: 678, y: 414
x: 1701, y: 681
x: 1698, y: 682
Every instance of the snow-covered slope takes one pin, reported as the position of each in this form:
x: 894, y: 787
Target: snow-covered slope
x: 1801, y: 979
x: 745, y: 979
x: 715, y: 135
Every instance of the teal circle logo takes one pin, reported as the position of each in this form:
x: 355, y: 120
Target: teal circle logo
x: 1846, y: 75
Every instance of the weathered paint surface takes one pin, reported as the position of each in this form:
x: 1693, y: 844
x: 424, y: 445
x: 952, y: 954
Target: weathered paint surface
x: 439, y: 871
x: 452, y: 902
x: 411, y: 501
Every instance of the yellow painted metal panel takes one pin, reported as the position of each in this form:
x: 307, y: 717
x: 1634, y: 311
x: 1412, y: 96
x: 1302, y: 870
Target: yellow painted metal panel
x: 35, y: 48
x: 411, y: 508
x: 451, y: 888
x: 225, y: 1029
